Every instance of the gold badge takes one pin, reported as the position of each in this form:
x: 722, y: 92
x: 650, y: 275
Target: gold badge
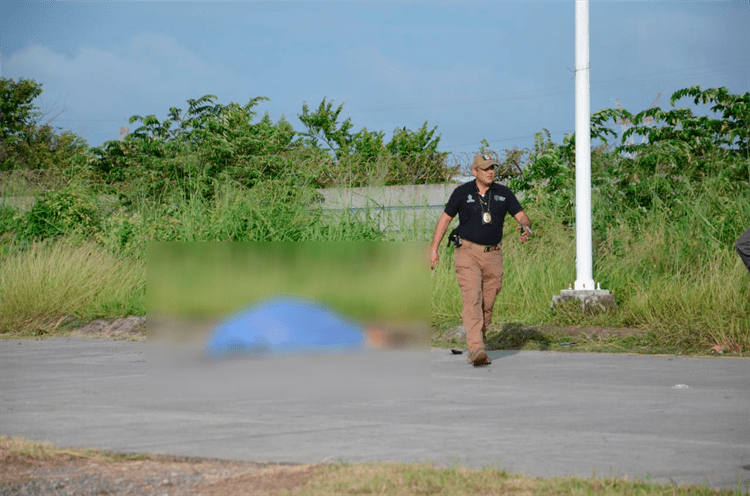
x: 486, y: 218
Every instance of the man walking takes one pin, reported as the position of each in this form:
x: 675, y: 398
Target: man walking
x: 481, y: 206
x: 743, y: 247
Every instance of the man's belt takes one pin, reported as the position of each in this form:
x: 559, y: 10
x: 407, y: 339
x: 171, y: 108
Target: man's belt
x: 484, y: 248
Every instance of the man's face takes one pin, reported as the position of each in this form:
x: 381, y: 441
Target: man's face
x: 485, y: 177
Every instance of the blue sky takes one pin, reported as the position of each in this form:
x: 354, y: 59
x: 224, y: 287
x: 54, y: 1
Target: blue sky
x: 499, y: 71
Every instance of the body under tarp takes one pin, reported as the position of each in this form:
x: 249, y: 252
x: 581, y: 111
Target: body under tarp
x: 285, y: 324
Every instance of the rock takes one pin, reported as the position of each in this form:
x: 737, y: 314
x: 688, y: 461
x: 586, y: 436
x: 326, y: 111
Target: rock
x: 458, y: 332
x: 590, y: 302
x: 129, y: 327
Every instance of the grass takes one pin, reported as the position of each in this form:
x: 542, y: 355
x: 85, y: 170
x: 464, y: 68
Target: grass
x: 30, y: 183
x: 48, y: 285
x: 424, y: 479
x: 682, y: 299
x: 366, y: 280
x: 515, y: 336
x: 417, y: 479
x: 673, y: 271
x: 12, y: 446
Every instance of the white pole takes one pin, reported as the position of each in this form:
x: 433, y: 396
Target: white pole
x: 584, y: 257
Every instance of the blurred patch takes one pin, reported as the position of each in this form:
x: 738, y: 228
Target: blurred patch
x: 282, y: 325
x: 311, y: 320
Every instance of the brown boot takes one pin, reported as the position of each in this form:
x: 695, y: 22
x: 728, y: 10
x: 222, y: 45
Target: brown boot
x: 478, y: 358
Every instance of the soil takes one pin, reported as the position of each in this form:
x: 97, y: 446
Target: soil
x: 511, y: 330
x: 133, y: 328
x: 70, y: 474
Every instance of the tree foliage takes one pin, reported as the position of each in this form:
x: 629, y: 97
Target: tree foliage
x: 192, y: 156
x: 24, y: 144
x: 17, y: 111
x: 678, y: 152
x: 730, y: 129
x: 208, y: 141
x: 410, y: 157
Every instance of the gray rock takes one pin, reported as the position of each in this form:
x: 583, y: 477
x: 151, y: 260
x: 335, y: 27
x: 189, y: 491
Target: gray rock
x: 123, y: 327
x: 458, y: 332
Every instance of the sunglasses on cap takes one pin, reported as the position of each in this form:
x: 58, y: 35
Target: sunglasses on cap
x: 493, y: 166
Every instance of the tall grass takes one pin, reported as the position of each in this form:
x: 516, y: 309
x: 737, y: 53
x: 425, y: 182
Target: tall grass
x: 52, y: 284
x: 672, y: 268
x: 419, y: 479
x: 667, y: 273
x: 363, y: 279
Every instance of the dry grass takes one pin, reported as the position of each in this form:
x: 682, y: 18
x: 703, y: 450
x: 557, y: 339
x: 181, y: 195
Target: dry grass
x: 22, y: 458
x: 47, y: 285
x: 425, y: 479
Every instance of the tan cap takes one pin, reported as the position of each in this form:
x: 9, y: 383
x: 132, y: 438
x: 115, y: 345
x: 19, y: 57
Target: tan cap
x: 484, y: 162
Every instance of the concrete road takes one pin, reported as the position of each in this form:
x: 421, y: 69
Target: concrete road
x: 668, y: 419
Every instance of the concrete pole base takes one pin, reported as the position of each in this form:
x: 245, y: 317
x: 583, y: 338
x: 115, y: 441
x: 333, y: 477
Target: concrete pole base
x: 591, y: 301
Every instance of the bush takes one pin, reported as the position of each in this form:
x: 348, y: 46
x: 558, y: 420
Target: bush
x: 71, y: 210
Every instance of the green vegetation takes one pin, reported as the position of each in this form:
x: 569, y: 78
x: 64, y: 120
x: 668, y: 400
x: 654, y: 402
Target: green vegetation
x: 667, y: 211
x: 13, y: 448
x: 51, y: 285
x: 419, y: 479
x: 379, y: 478
x: 368, y: 281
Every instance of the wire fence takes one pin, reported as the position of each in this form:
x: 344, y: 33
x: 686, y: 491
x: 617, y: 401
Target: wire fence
x: 352, y: 171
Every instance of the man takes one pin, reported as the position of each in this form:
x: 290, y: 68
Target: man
x: 743, y: 247
x: 481, y: 206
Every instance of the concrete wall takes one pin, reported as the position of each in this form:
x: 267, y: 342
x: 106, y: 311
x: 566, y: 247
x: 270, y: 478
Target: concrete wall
x: 414, y: 208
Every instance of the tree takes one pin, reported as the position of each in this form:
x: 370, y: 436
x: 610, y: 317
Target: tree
x: 701, y: 133
x: 24, y: 144
x: 322, y: 126
x: 17, y: 112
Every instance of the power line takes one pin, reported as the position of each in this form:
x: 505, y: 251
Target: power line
x: 90, y: 120
x: 727, y: 67
x: 637, y: 80
x: 506, y: 139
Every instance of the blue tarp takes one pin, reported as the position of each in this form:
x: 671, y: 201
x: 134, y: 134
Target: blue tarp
x: 284, y: 324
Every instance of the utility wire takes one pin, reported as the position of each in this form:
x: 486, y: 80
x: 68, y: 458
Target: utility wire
x: 596, y: 87
x: 506, y: 139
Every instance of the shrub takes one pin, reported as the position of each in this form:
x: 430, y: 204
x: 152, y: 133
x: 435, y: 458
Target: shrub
x: 73, y: 209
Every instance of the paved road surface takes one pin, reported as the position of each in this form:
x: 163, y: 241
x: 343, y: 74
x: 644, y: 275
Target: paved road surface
x: 670, y: 419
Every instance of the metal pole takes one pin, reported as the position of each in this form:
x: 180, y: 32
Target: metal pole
x: 584, y: 257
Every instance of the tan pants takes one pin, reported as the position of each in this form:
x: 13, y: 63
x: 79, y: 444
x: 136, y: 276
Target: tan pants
x: 480, y: 277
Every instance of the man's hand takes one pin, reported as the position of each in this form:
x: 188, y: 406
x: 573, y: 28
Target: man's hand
x: 525, y: 225
x: 525, y: 233
x: 437, y: 238
x: 434, y: 260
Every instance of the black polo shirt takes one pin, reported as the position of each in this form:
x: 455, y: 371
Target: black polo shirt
x: 464, y: 201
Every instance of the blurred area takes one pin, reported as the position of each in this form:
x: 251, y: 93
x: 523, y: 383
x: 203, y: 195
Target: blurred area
x: 316, y: 319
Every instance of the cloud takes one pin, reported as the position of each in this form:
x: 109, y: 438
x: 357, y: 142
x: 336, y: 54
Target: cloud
x: 403, y: 84
x: 147, y: 74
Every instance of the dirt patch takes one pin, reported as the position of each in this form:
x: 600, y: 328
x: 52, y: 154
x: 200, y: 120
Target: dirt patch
x: 133, y: 328
x: 459, y: 332
x: 591, y: 332
x: 72, y: 473
x: 516, y: 336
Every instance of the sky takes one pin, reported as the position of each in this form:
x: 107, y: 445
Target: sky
x: 494, y: 70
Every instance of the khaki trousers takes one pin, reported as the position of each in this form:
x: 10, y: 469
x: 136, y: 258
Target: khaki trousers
x: 480, y: 277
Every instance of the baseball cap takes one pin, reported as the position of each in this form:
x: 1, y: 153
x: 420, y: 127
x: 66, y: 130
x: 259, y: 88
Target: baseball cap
x: 484, y: 161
